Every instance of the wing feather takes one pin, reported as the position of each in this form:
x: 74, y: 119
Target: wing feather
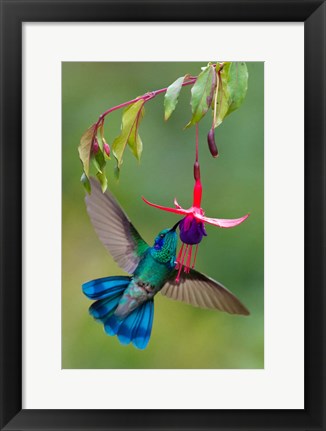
x: 201, y: 291
x: 114, y: 229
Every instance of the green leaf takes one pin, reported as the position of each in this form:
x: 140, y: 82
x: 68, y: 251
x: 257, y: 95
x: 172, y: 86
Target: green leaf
x: 232, y: 89
x: 171, y: 97
x: 130, y: 122
x: 100, y: 159
x: 86, y: 183
x: 103, y: 180
x: 117, y: 173
x: 222, y: 105
x: 202, y: 94
x: 96, y: 164
x: 136, y: 146
x: 99, y: 163
x: 134, y: 141
x: 85, y: 148
x: 218, y: 66
x: 102, y: 140
x: 237, y: 84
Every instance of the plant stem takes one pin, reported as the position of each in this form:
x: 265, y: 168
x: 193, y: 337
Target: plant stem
x: 146, y: 97
x: 197, y: 142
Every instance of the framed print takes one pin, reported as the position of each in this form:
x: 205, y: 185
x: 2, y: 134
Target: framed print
x: 65, y: 64
x: 191, y: 352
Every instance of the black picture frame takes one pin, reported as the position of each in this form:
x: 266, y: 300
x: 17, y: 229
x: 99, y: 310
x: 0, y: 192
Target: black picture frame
x: 13, y: 14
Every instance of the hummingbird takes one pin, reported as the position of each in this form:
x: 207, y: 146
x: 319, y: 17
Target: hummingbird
x: 125, y: 304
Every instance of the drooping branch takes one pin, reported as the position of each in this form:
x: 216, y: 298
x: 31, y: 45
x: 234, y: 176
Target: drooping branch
x: 219, y: 87
x: 146, y: 97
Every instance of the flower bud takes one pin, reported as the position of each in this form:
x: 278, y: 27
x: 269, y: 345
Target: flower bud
x: 106, y: 148
x: 196, y: 171
x: 95, y: 146
x: 211, y: 143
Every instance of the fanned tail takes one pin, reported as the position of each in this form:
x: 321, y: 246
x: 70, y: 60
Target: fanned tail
x: 135, y: 328
x: 105, y: 287
x: 107, y: 292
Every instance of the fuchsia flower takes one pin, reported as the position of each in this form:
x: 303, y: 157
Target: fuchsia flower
x: 192, y: 228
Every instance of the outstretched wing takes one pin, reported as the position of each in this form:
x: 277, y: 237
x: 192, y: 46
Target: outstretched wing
x: 201, y: 291
x: 114, y: 228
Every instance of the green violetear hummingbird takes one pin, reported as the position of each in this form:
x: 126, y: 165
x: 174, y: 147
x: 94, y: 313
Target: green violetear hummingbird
x: 124, y: 304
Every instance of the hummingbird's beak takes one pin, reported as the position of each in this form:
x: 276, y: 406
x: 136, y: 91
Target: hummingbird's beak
x: 175, y: 226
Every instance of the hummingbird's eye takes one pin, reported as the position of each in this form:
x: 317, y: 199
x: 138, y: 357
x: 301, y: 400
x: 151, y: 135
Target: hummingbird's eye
x: 162, y: 235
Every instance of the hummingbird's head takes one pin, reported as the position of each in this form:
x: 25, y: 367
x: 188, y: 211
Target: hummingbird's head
x: 165, y: 245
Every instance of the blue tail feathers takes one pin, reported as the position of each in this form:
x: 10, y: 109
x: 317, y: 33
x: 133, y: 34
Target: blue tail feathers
x: 136, y: 327
x: 105, y: 287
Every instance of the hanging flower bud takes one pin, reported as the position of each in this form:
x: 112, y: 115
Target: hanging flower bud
x: 196, y: 171
x: 95, y: 146
x: 106, y: 148
x: 211, y: 143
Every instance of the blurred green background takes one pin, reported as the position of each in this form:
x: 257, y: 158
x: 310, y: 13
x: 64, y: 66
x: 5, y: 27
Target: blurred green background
x: 233, y: 184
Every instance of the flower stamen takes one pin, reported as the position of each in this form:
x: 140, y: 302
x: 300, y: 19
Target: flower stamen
x: 193, y: 264
x: 185, y: 263
x: 179, y: 257
x: 180, y: 263
x: 188, y: 263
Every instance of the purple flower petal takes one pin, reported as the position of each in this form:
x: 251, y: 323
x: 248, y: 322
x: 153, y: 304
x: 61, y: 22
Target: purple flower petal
x: 191, y: 230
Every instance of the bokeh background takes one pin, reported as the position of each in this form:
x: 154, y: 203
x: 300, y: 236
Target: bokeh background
x: 233, y: 184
